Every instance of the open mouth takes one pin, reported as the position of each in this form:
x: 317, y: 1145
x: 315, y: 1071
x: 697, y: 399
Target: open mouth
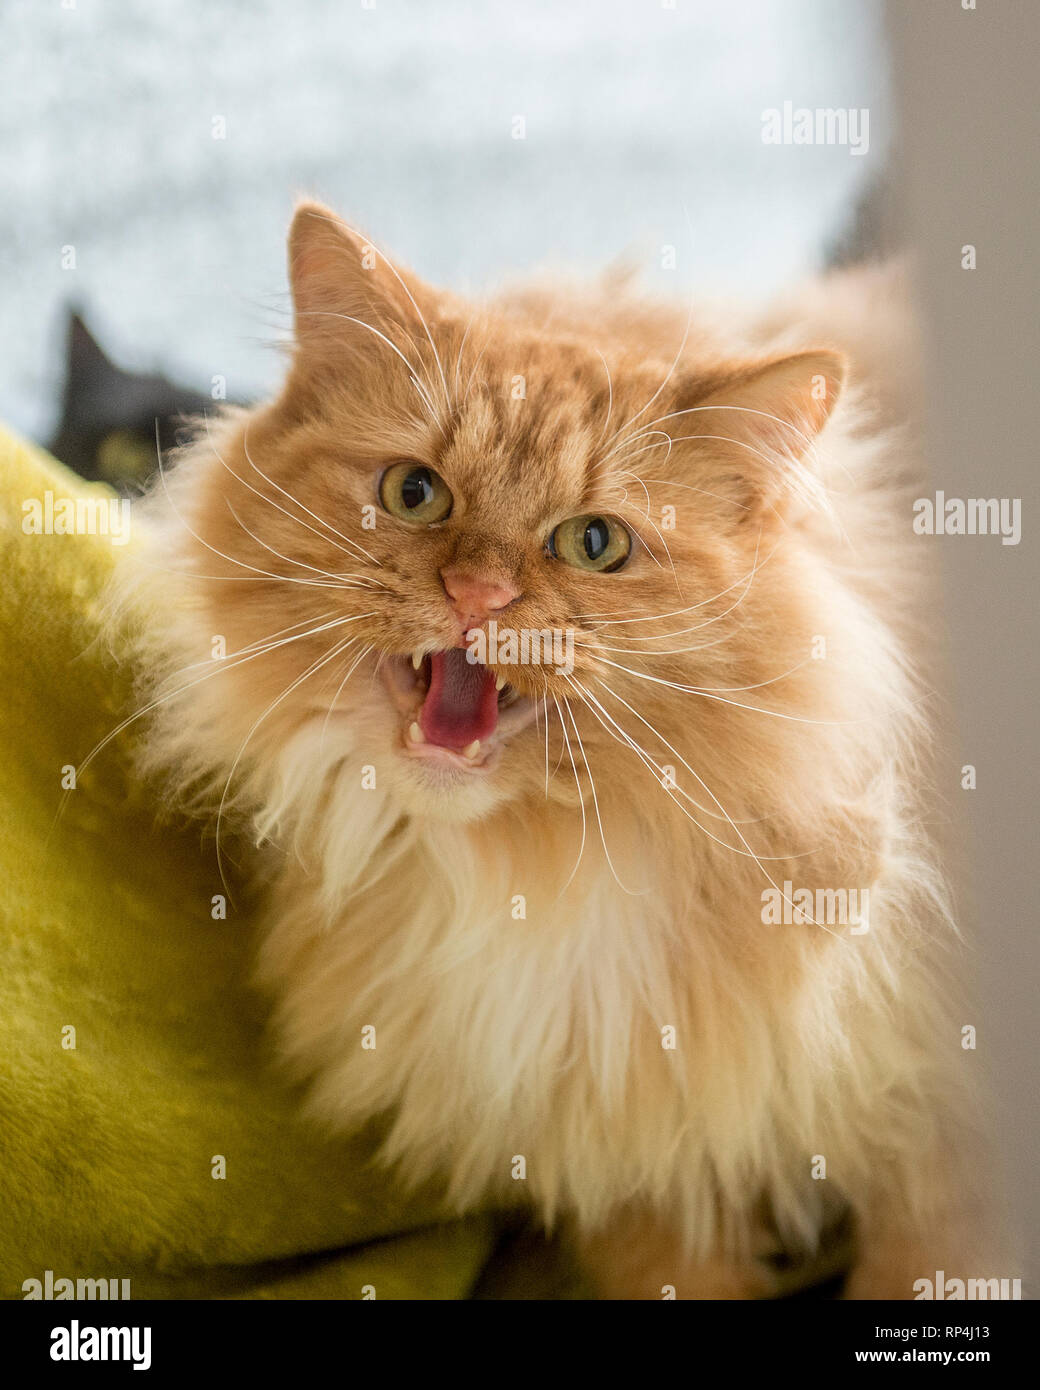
x: 456, y: 711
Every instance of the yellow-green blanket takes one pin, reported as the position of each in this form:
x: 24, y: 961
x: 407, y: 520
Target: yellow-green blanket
x: 110, y: 1149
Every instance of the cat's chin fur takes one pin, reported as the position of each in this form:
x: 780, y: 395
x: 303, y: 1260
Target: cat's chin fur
x: 521, y: 994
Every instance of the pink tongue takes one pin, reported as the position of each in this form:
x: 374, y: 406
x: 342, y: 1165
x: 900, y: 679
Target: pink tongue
x: 462, y: 702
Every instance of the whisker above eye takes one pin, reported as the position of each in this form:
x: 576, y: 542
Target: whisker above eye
x: 666, y: 441
x: 669, y: 482
x: 458, y: 358
x: 610, y: 399
x: 657, y: 532
x: 667, y: 377
x: 388, y: 263
x: 473, y: 373
x: 412, y: 373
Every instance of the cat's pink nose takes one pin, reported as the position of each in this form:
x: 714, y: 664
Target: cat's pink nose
x: 474, y: 597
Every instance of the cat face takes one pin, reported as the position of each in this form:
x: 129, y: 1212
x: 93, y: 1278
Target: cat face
x: 496, y: 552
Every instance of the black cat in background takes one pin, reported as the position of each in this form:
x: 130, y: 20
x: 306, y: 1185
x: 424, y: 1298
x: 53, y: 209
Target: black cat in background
x: 108, y: 421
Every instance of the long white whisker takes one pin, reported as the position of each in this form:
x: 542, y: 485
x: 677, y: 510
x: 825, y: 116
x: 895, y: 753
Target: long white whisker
x: 657, y: 532
x: 315, y: 666
x: 664, y: 636
x: 458, y: 359
x: 708, y: 622
x: 769, y: 459
x: 610, y: 400
x: 581, y: 802
x: 473, y: 373
x: 666, y: 441
x: 807, y: 440
x: 260, y: 642
x: 355, y: 545
x: 546, y: 709
x: 411, y: 299
x: 362, y: 583
x: 758, y: 859
x: 339, y: 691
x: 622, y: 736
x: 326, y: 574
x: 688, y: 487
x: 595, y: 804
x: 604, y: 620
x: 412, y: 374
x: 737, y: 704
x: 218, y: 667
x: 242, y: 564
x: 668, y: 376
x: 810, y: 489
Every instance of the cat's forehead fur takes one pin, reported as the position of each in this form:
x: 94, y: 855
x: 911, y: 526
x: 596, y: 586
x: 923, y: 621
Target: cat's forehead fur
x: 529, y: 439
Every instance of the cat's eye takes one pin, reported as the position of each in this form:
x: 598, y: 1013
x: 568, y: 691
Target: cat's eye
x: 123, y: 455
x: 598, y: 543
x: 415, y: 493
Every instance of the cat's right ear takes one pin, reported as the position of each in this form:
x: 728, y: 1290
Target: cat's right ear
x: 344, y: 290
x: 88, y: 366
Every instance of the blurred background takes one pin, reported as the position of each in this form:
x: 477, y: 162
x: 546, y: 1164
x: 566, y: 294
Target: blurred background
x: 165, y: 145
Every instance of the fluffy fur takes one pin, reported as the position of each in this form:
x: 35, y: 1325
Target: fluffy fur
x: 698, y: 754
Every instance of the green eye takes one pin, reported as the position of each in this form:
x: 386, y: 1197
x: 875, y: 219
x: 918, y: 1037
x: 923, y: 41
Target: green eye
x: 123, y: 455
x: 596, y: 543
x: 414, y: 493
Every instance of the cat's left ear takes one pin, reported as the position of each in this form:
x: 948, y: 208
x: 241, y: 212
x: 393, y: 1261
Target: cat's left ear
x: 761, y: 422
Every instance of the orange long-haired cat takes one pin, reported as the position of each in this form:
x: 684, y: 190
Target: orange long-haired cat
x: 570, y: 694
